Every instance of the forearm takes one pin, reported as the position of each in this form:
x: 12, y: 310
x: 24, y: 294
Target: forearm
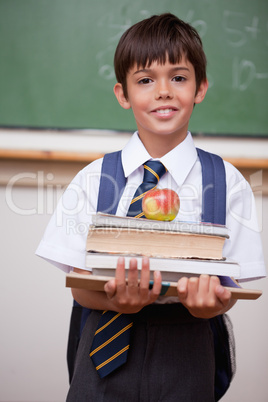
x: 89, y: 298
x: 93, y: 300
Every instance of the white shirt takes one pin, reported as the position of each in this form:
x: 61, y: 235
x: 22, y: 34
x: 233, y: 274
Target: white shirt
x: 64, y: 241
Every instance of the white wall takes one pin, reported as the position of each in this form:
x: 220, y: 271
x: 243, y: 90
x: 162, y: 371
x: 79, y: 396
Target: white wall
x: 251, y: 332
x: 35, y: 309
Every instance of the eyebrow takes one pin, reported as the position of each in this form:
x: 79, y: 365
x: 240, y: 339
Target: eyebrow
x: 148, y: 70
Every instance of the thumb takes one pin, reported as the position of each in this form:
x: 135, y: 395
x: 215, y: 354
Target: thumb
x: 110, y: 288
x: 223, y: 294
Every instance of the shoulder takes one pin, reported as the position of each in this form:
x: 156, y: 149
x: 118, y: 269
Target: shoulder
x: 93, y: 167
x: 90, y: 172
x: 234, y: 177
x: 83, y: 187
x: 235, y: 181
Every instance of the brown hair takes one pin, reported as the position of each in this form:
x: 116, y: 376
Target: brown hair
x: 155, y: 39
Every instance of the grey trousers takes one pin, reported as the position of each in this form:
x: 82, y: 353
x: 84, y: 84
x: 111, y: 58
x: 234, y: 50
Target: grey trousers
x: 171, y: 358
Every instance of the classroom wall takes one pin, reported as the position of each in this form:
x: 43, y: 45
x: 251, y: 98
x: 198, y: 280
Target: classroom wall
x: 35, y: 306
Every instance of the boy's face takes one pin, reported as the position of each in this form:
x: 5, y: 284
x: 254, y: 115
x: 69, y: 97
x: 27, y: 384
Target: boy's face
x: 162, y: 98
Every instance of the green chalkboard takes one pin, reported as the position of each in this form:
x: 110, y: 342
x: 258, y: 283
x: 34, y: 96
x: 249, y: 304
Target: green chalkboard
x: 56, y: 62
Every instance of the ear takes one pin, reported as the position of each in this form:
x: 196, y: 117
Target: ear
x: 201, y: 93
x: 119, y: 93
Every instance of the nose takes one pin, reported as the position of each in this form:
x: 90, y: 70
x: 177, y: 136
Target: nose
x: 164, y: 90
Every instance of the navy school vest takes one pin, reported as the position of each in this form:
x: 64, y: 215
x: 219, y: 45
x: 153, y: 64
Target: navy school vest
x: 213, y: 210
x: 213, y: 183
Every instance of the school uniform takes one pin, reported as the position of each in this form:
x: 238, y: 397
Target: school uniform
x: 184, y: 342
x: 63, y: 243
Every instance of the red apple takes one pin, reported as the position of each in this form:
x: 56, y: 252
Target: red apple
x: 161, y: 204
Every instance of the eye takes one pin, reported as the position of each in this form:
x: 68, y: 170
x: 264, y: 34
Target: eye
x: 145, y: 81
x: 178, y: 78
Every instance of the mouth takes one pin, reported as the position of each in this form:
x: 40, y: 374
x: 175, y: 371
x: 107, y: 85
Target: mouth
x: 165, y: 111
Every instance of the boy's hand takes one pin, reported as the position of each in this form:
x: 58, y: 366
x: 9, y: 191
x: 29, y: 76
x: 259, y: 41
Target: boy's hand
x: 132, y: 297
x: 204, y: 296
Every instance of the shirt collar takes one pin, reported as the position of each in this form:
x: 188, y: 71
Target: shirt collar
x: 134, y: 154
x: 179, y: 161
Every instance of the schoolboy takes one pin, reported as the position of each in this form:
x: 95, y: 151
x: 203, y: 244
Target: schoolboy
x: 160, y: 67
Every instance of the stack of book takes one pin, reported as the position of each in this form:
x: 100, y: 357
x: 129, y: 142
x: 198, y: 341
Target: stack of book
x: 125, y: 235
x: 175, y: 248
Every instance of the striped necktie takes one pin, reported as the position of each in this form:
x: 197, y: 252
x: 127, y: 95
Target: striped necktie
x: 153, y: 171
x: 111, y: 340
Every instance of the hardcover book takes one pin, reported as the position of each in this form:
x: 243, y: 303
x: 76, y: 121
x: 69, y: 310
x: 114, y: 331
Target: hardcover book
x: 171, y: 268
x: 96, y: 283
x: 125, y: 235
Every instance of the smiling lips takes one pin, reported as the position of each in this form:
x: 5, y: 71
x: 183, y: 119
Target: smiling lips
x: 165, y: 111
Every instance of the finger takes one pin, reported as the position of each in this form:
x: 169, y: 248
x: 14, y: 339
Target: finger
x: 133, y: 276
x: 193, y: 286
x: 110, y: 288
x: 120, y: 275
x: 223, y: 294
x: 220, y: 295
x: 145, y: 276
x: 204, y: 285
x: 157, y: 286
x: 193, y: 295
x: 217, y: 289
x: 214, y: 282
x: 182, y: 288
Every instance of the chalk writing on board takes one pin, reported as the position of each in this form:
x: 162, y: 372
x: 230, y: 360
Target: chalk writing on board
x: 244, y: 73
x: 210, y: 80
x: 240, y: 29
x: 145, y: 13
x: 116, y: 29
x: 105, y: 56
x: 199, y: 25
x: 237, y: 25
